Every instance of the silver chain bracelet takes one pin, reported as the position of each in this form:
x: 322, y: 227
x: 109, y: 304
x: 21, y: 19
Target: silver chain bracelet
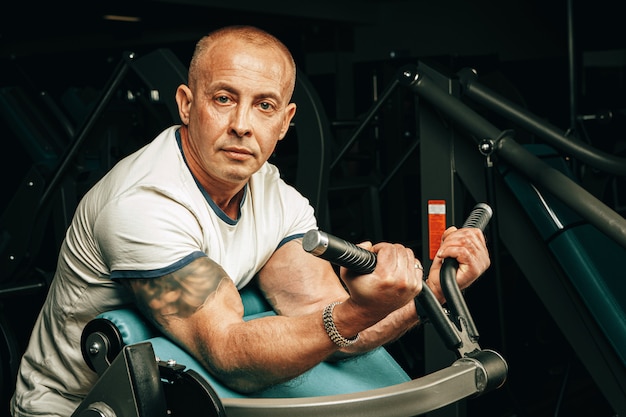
x: 331, y: 329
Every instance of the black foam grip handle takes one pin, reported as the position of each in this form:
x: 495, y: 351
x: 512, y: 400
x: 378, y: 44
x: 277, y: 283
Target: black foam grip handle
x: 339, y: 252
x: 479, y: 216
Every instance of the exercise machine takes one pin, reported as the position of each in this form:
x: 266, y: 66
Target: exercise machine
x: 563, y: 238
x: 123, y: 349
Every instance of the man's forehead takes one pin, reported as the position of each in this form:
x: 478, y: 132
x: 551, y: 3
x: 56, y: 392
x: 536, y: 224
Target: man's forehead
x: 245, y: 62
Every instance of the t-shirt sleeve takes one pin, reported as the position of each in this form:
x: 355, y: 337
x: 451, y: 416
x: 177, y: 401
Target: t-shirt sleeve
x: 145, y: 234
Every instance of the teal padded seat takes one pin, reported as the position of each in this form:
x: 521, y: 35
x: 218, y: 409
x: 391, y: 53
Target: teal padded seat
x: 376, y: 369
x: 591, y: 260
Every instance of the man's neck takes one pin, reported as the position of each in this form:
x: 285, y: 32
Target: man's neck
x: 228, y: 199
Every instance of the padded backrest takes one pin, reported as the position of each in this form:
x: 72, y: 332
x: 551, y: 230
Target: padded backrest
x: 590, y: 259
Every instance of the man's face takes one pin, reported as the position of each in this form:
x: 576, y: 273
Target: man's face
x: 238, y: 110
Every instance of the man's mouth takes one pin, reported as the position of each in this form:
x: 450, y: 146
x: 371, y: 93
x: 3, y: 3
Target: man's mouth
x: 239, y: 154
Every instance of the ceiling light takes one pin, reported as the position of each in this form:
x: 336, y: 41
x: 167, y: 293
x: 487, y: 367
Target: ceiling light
x: 120, y: 18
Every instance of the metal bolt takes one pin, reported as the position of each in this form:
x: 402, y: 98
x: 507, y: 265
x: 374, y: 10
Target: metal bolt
x: 94, y: 349
x: 486, y: 147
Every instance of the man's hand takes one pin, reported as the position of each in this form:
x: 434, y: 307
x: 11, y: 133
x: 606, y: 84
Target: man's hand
x: 395, y: 281
x: 468, y: 247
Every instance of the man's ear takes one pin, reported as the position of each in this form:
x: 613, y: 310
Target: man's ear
x: 290, y: 111
x: 184, y: 97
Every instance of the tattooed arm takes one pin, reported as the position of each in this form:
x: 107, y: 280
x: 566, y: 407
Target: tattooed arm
x: 199, y: 307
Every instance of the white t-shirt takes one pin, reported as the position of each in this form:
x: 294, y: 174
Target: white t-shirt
x: 145, y: 218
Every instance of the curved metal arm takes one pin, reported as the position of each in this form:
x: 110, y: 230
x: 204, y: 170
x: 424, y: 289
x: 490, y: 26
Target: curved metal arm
x: 462, y: 337
x: 462, y: 379
x: 580, y: 200
x: 448, y: 333
x: 529, y: 121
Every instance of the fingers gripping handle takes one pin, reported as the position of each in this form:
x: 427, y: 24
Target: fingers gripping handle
x: 361, y: 261
x: 478, y: 218
x: 339, y: 252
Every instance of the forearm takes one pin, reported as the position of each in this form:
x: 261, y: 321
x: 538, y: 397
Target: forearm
x: 387, y: 330
x: 252, y: 355
x: 199, y: 308
x: 249, y: 356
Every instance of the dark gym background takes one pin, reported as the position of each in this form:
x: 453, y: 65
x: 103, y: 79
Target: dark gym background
x: 64, y: 53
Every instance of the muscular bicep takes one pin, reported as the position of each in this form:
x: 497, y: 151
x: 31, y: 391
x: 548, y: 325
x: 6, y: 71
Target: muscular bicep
x: 296, y: 282
x: 172, y: 298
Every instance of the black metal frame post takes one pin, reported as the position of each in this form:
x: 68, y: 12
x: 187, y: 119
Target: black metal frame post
x: 438, y: 182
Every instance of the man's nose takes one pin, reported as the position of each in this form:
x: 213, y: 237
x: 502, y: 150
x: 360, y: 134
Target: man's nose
x: 240, y: 122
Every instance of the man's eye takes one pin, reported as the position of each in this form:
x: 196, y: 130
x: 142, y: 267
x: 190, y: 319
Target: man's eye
x: 222, y: 99
x: 265, y: 106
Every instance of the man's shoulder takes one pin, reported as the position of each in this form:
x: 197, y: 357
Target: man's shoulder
x: 154, y: 161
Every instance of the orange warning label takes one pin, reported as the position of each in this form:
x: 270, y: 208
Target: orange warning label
x: 436, y: 225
